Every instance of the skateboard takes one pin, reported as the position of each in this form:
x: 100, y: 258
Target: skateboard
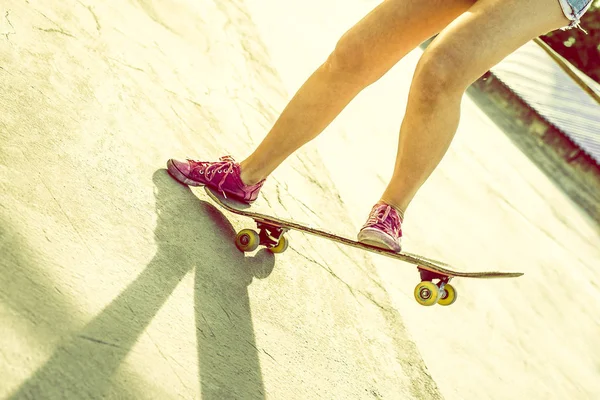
x: 434, y: 287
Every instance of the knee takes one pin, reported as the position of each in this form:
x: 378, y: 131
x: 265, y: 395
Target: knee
x: 441, y: 72
x: 350, y: 62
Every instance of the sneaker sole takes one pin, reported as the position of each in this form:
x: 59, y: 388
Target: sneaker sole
x: 179, y: 176
x: 374, y: 237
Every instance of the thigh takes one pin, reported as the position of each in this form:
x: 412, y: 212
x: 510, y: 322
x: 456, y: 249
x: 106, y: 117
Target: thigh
x: 394, y: 28
x: 486, y: 33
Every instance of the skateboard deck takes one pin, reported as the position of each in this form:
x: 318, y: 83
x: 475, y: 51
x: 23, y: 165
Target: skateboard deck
x: 272, y: 235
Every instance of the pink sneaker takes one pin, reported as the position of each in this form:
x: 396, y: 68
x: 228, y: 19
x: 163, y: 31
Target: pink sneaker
x: 223, y: 175
x: 383, y: 228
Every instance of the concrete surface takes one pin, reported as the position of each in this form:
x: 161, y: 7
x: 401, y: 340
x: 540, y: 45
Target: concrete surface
x: 117, y: 282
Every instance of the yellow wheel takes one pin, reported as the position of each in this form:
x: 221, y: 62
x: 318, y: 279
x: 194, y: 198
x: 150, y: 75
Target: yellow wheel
x: 449, y: 295
x: 247, y: 240
x: 281, y: 246
x: 426, y: 293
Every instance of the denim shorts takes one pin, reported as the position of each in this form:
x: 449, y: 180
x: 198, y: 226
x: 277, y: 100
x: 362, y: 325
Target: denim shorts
x: 574, y: 10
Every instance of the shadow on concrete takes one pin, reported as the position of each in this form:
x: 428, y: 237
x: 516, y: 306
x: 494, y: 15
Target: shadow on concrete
x: 190, y: 235
x: 28, y: 291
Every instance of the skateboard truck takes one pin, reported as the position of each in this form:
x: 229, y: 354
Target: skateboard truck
x: 428, y: 293
x: 269, y: 235
x: 430, y: 276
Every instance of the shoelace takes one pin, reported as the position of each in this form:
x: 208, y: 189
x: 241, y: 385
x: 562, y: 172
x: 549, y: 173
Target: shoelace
x: 225, y: 165
x: 380, y: 216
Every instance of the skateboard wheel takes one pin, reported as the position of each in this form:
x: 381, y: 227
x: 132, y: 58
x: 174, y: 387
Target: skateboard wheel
x: 448, y: 296
x: 426, y: 293
x: 247, y: 240
x: 281, y: 246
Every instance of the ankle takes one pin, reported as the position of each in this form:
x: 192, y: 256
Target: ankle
x: 249, y: 177
x: 396, y: 207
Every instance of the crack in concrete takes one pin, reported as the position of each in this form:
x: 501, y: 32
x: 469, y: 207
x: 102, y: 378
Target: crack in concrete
x: 279, y: 200
x: 309, y: 177
x: 212, y: 334
x: 62, y: 210
x: 7, y: 71
x: 226, y: 313
x: 329, y: 270
x: 209, y: 117
x: 307, y: 208
x: 310, y: 259
x: 91, y: 339
x: 130, y: 309
x: 352, y: 291
x: 263, y: 350
x: 126, y: 65
x: 241, y: 119
x: 266, y: 199
x: 180, y: 118
x: 7, y: 34
x: 273, y: 358
x: 45, y: 16
x: 24, y: 311
x: 168, y: 363
x: 52, y: 30
x: 89, y: 8
x: 367, y: 272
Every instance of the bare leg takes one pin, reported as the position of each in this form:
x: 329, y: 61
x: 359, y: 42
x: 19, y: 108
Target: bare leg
x: 467, y: 48
x: 364, y: 54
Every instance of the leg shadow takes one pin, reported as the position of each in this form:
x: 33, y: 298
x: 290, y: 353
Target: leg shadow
x: 190, y: 234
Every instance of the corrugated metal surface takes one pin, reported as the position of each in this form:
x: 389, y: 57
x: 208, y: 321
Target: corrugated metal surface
x: 535, y: 77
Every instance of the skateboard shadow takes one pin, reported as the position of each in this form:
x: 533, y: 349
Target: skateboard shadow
x: 191, y: 235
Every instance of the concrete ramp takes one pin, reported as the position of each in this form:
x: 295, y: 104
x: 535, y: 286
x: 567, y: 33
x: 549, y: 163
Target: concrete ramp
x: 117, y: 282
